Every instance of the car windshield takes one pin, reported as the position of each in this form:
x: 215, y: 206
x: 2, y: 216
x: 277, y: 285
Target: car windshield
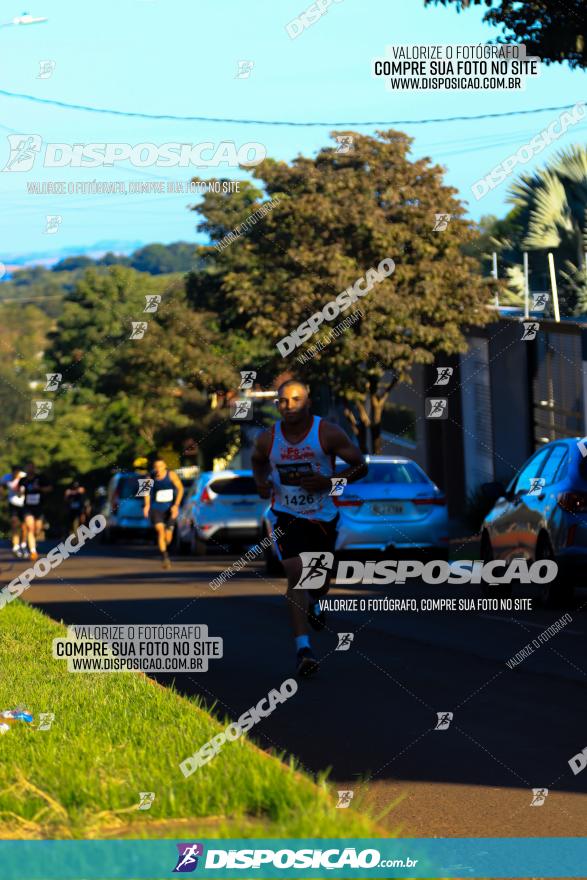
x: 234, y: 486
x: 391, y: 472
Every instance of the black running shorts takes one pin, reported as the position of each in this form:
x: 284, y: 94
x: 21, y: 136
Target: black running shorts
x: 162, y: 516
x: 301, y: 534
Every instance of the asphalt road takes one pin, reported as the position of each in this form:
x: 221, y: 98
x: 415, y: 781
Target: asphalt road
x: 369, y: 717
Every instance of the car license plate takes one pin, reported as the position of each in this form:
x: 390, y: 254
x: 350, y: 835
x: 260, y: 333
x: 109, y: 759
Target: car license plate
x: 387, y: 508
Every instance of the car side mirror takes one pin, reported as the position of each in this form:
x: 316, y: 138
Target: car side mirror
x: 493, y: 491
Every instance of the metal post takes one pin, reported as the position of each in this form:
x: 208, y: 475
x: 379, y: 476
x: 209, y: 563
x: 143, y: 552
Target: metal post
x: 557, y: 316
x: 494, y: 273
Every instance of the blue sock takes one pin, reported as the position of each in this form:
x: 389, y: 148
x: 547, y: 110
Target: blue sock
x: 302, y: 642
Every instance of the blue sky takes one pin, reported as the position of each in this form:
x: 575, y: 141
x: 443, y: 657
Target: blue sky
x: 161, y: 56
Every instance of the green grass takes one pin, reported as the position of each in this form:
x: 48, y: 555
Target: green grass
x: 116, y: 734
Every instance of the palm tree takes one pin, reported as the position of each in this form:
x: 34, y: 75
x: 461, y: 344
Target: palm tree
x: 551, y: 206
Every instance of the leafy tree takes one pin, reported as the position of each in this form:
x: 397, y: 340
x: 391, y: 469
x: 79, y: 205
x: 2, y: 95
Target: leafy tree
x: 69, y: 263
x: 335, y: 217
x: 161, y: 259
x: 550, y: 30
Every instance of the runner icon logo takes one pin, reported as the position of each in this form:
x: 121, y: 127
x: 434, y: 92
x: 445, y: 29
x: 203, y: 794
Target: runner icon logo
x: 247, y: 378
x: 536, y: 485
x: 46, y: 719
x: 139, y: 329
x: 441, y: 222
x: 144, y: 487
x: 146, y: 798
x: 53, y: 380
x: 436, y: 408
x: 338, y: 484
x: 344, y: 799
x: 315, y: 570
x: 345, y: 143
x: 539, y: 301
x: 539, y: 795
x: 187, y: 860
x: 531, y: 328
x: 444, y: 719
x: 344, y: 641
x: 42, y: 410
x: 152, y: 302
x: 444, y: 374
x: 242, y: 410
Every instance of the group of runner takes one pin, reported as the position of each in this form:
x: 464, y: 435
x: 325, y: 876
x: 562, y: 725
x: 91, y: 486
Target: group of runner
x: 293, y: 465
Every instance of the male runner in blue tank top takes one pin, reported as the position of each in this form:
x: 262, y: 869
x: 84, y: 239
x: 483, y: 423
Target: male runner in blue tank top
x: 161, y: 505
x: 293, y: 464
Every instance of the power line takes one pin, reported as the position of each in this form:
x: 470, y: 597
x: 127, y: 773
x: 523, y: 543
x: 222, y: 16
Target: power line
x: 168, y: 117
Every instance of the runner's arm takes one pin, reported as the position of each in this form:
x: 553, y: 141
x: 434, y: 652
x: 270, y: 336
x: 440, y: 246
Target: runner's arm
x: 261, y: 464
x: 179, y: 486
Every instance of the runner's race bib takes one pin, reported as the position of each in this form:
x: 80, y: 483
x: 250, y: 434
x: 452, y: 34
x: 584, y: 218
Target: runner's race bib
x: 163, y: 495
x: 291, y: 474
x: 33, y: 499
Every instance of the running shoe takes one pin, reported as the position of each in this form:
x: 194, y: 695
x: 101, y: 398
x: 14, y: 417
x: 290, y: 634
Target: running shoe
x: 307, y: 664
x: 16, y: 551
x: 166, y: 561
x: 316, y: 619
x: 34, y: 555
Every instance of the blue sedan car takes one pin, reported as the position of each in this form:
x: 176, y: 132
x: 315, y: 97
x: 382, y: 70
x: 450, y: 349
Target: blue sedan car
x: 542, y: 514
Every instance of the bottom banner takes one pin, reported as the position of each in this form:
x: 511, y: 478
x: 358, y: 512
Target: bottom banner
x: 398, y: 857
